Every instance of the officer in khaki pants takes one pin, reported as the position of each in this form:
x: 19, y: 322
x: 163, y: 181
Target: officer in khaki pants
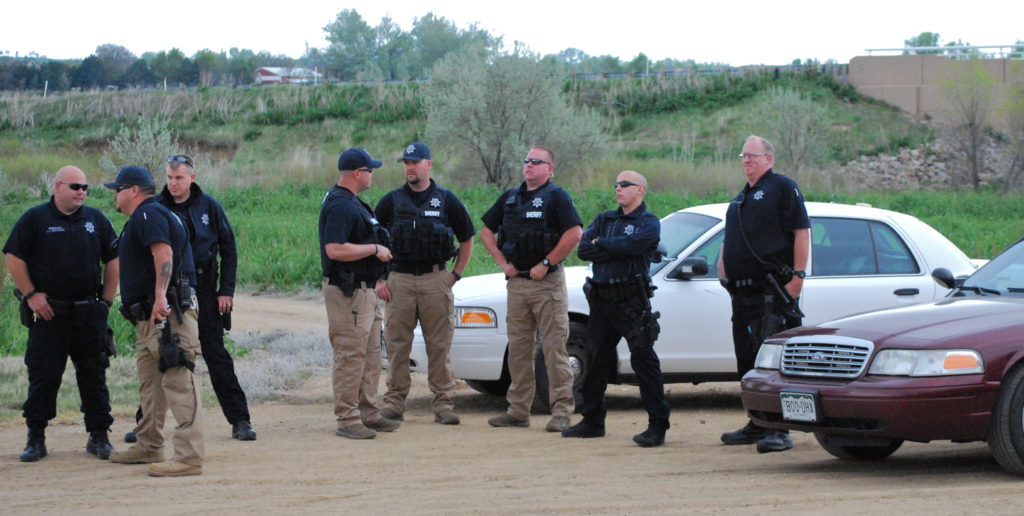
x: 157, y: 276
x: 423, y: 219
x: 353, y: 256
x: 528, y: 231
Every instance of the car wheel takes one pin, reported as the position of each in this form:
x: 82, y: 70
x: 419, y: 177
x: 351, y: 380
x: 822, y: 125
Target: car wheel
x: 575, y: 348
x: 1006, y: 431
x: 870, y: 452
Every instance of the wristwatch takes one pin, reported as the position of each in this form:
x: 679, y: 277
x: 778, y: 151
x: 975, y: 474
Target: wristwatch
x: 800, y: 274
x: 545, y: 262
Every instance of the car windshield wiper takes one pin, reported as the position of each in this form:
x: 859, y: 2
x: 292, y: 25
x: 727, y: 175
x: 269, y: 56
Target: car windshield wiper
x: 981, y: 290
x: 1015, y: 290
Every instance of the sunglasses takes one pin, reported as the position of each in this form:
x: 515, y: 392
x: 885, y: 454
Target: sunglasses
x: 121, y: 188
x: 534, y: 161
x: 76, y: 186
x: 625, y: 184
x: 368, y: 170
x: 180, y: 159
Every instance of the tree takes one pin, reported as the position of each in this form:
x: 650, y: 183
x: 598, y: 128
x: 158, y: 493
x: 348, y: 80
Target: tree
x: 433, y: 38
x: 797, y: 126
x: 970, y: 94
x: 352, y: 45
x: 139, y: 74
x: 146, y: 142
x: 1014, y: 111
x: 394, y: 49
x: 90, y: 74
x: 206, y: 65
x: 640, y: 64
x: 924, y: 39
x: 116, y: 60
x: 488, y: 111
x: 171, y: 66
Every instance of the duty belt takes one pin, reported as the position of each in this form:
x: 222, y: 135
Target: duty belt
x: 417, y: 269
x: 337, y: 282
x: 750, y: 284
x: 66, y: 307
x: 526, y: 274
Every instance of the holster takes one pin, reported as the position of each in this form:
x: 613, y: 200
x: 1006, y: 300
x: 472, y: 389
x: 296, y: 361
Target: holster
x: 225, y: 319
x: 108, y: 342
x: 27, y: 317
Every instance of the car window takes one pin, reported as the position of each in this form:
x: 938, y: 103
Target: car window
x: 709, y: 250
x: 1005, y: 273
x: 679, y: 230
x: 855, y: 247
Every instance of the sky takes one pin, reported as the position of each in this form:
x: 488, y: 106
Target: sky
x: 737, y: 32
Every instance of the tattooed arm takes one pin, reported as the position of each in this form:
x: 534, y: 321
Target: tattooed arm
x: 163, y: 264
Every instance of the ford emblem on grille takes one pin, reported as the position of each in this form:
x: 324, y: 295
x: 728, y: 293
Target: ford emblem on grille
x: 831, y: 356
x: 818, y: 357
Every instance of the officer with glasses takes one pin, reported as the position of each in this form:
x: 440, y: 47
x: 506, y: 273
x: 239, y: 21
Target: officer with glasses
x: 528, y: 231
x: 622, y: 243
x: 62, y: 256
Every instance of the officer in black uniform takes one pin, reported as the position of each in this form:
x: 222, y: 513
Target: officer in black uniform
x: 211, y: 236
x: 354, y: 252
x: 622, y: 244
x: 424, y: 220
x: 767, y: 241
x: 54, y: 254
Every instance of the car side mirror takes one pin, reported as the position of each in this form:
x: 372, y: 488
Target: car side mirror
x: 659, y: 254
x: 689, y: 268
x: 944, y: 277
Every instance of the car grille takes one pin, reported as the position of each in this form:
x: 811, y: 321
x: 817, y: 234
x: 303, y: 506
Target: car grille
x: 826, y: 356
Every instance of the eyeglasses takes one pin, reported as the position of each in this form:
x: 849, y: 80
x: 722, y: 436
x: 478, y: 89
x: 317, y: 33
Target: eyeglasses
x: 745, y: 155
x: 625, y: 184
x: 76, y: 186
x: 368, y: 170
x: 181, y: 158
x: 534, y: 161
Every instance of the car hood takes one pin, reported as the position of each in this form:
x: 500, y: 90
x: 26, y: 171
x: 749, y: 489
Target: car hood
x: 920, y: 325
x: 478, y: 289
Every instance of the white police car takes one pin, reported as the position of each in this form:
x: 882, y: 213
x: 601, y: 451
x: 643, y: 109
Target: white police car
x: 862, y: 259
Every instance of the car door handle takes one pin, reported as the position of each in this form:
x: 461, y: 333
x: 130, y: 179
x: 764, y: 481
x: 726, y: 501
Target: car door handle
x: 906, y: 292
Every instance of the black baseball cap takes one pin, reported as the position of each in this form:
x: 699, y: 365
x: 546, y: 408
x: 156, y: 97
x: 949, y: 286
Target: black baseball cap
x: 131, y: 175
x: 416, y: 152
x: 355, y: 158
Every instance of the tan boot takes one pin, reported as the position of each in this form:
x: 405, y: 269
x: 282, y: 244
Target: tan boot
x: 173, y: 468
x: 356, y: 431
x: 136, y: 455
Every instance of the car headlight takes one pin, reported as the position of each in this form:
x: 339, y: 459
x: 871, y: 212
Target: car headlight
x: 931, y: 362
x: 768, y: 357
x: 475, y: 317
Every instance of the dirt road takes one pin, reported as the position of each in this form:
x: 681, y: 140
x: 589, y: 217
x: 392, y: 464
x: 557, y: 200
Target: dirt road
x: 298, y: 465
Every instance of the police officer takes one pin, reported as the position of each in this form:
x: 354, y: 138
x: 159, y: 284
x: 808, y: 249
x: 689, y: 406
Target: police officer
x: 54, y: 253
x: 622, y: 245
x: 767, y: 238
x: 157, y: 278
x: 210, y: 235
x: 422, y: 218
x: 353, y: 255
x: 528, y: 231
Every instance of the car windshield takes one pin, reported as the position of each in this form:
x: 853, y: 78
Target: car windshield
x: 679, y: 230
x: 1004, y: 275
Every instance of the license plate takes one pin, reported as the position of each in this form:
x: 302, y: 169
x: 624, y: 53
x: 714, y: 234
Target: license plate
x: 799, y: 406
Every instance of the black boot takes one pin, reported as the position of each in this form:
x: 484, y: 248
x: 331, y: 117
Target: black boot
x: 36, y: 447
x: 99, y: 444
x: 242, y: 430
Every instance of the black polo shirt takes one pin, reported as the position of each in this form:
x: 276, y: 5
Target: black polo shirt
x: 562, y: 215
x: 771, y: 211
x: 456, y: 216
x: 63, y: 252
x: 344, y: 217
x: 151, y: 223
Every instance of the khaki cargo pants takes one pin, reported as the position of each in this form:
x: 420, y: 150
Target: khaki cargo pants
x: 354, y: 326
x: 539, y: 308
x: 177, y: 389
x: 427, y: 298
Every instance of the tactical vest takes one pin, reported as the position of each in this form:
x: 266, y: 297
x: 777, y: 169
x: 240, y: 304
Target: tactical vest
x: 367, y: 269
x: 421, y: 233
x: 526, y: 237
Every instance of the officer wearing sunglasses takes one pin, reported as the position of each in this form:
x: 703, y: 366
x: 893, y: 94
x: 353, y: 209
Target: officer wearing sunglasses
x: 62, y: 256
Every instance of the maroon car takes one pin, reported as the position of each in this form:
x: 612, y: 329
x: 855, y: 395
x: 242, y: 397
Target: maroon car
x: 947, y: 370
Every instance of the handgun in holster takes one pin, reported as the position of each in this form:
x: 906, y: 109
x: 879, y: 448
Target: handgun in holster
x: 171, y: 354
x: 24, y: 312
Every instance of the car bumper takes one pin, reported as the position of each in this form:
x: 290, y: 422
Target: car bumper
x: 476, y: 353
x: 914, y: 409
